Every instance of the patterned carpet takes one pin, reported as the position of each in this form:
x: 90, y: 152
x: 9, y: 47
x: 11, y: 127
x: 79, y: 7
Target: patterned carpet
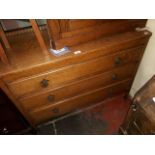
x: 100, y: 119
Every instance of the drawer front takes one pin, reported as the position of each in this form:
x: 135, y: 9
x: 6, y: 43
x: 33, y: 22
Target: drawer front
x: 68, y: 105
x: 76, y: 88
x: 70, y: 73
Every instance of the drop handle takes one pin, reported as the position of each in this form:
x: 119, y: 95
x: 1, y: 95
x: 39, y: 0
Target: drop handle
x: 44, y: 83
x: 50, y: 98
x: 118, y: 60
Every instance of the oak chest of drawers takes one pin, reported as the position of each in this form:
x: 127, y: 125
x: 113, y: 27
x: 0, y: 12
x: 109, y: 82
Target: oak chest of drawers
x: 44, y: 87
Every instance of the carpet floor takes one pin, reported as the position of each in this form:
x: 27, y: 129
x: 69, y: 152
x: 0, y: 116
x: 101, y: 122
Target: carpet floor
x: 103, y: 118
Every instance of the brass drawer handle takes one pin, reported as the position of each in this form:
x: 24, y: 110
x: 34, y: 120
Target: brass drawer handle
x: 55, y: 110
x: 44, y: 83
x: 118, y: 61
x: 114, y: 77
x: 50, y: 98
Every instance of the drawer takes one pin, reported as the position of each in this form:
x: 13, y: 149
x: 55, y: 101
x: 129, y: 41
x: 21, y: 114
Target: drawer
x: 56, y: 78
x: 76, y: 88
x: 47, y: 112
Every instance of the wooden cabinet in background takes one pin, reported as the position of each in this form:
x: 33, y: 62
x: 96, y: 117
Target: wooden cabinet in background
x: 71, y: 32
x: 45, y: 86
x: 141, y: 116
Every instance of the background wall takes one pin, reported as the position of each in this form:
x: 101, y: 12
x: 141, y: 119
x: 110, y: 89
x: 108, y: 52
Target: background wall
x: 147, y: 66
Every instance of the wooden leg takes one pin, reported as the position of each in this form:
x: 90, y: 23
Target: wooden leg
x: 4, y: 38
x: 38, y: 35
x: 3, y: 55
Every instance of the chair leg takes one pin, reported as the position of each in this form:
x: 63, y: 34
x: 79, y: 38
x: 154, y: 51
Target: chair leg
x: 3, y: 55
x: 4, y: 38
x: 38, y: 35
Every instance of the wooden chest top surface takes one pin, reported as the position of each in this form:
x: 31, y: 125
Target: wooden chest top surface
x: 25, y: 52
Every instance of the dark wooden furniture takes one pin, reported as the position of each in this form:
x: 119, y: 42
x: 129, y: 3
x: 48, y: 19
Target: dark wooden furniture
x: 44, y: 86
x: 11, y: 121
x: 71, y: 32
x: 3, y: 44
x: 141, y: 116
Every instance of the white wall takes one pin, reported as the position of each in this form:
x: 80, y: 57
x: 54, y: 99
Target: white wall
x: 147, y: 65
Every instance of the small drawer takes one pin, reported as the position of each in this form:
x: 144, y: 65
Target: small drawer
x: 56, y: 78
x: 47, y: 112
x: 76, y: 88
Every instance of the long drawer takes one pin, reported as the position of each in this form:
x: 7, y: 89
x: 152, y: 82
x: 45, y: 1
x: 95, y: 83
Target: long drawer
x: 70, y: 73
x: 74, y: 103
x: 100, y: 80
